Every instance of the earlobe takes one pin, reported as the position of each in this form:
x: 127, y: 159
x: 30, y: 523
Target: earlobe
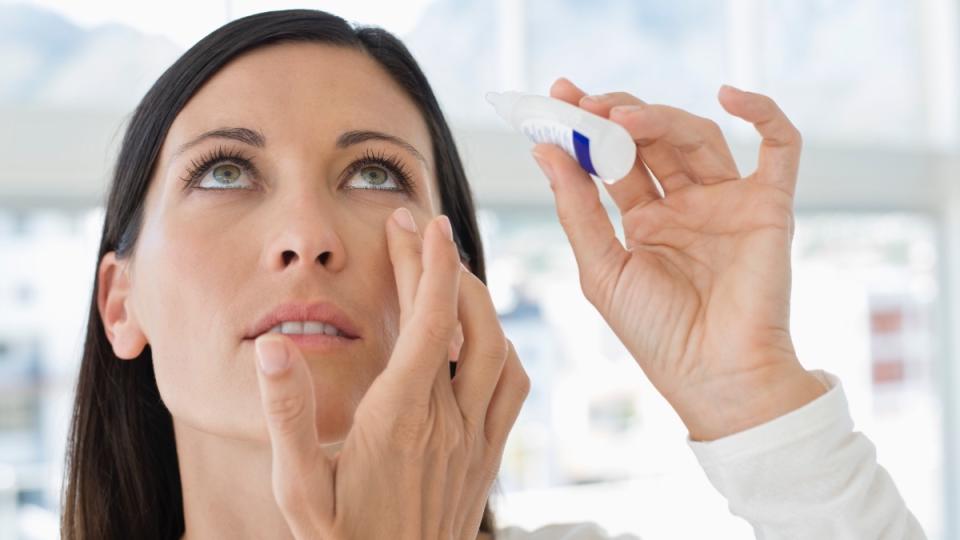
x: 113, y: 302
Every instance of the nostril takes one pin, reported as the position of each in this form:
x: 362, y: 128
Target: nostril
x: 324, y: 257
x: 288, y: 256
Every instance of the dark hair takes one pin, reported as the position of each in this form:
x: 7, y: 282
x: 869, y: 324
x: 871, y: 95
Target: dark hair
x: 121, y: 477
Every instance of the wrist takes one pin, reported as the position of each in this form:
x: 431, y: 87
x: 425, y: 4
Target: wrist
x: 740, y: 402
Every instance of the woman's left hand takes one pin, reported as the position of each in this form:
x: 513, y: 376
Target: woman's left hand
x: 701, y: 294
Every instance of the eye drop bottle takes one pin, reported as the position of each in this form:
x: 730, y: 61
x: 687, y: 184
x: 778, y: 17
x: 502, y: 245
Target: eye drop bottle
x: 601, y: 147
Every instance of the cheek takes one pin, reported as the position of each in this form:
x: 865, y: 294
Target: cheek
x: 195, y: 278
x: 378, y: 288
x: 198, y: 274
x: 190, y: 281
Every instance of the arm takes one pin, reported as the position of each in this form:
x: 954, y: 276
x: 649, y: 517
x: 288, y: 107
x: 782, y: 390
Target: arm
x: 807, y: 474
x: 699, y: 293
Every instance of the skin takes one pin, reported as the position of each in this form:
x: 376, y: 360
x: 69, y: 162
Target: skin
x: 699, y: 295
x: 208, y: 264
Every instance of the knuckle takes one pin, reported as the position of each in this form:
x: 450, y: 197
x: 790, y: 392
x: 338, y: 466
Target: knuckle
x: 496, y: 348
x: 795, y: 135
x: 767, y: 102
x: 712, y: 127
x: 439, y: 326
x: 621, y: 97
x: 523, y: 383
x: 285, y: 410
x: 523, y: 379
x: 567, y: 220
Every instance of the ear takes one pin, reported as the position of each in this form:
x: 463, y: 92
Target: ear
x: 113, y: 301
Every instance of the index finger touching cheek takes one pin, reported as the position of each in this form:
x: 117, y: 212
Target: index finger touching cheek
x: 423, y: 344
x: 405, y: 247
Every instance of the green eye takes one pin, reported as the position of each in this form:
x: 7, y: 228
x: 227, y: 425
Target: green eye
x: 375, y: 175
x: 379, y: 172
x: 226, y: 173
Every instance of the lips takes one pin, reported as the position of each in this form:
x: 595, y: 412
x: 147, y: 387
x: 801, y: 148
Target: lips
x: 325, y: 312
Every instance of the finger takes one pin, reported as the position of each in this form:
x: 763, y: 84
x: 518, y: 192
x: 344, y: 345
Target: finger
x: 299, y: 467
x: 780, y: 150
x: 457, y: 344
x: 508, y: 397
x: 405, y: 248
x: 422, y: 347
x: 584, y: 219
x: 636, y: 189
x: 565, y: 90
x: 661, y: 159
x: 701, y: 149
x: 484, y: 350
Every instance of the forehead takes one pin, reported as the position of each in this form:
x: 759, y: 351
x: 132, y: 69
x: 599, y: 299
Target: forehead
x: 302, y: 93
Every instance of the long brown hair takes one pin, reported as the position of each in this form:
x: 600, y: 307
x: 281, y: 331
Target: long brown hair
x: 122, y: 479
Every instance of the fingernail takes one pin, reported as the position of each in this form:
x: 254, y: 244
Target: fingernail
x: 734, y: 88
x: 445, y: 225
x: 272, y: 356
x: 404, y: 218
x: 544, y: 166
x: 595, y: 98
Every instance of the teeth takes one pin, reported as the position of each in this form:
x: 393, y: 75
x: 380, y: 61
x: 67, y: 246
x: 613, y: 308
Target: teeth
x: 291, y: 327
x: 305, y: 327
x: 310, y: 327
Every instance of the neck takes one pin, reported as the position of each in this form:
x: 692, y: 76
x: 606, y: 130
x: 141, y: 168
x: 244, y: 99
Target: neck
x: 226, y: 486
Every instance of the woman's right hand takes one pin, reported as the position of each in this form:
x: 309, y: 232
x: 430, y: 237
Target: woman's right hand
x: 423, y: 450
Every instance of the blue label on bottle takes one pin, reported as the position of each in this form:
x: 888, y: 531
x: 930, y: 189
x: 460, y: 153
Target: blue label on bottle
x: 581, y: 145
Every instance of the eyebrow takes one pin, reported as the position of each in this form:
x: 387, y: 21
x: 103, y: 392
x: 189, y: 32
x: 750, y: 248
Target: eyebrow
x: 257, y: 139
x: 240, y: 134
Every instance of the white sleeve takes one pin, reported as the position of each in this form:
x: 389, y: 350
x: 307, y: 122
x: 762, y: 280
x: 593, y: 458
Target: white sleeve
x: 561, y: 531
x: 807, y: 474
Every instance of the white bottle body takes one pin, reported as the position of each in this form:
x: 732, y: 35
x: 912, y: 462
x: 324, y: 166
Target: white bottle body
x: 601, y: 147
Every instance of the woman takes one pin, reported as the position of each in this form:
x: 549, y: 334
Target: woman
x: 280, y: 289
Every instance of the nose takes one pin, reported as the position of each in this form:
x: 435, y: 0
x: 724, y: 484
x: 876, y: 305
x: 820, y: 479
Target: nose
x: 306, y: 235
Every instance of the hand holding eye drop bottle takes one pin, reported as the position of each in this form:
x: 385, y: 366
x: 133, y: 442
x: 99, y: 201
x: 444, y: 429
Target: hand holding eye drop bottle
x: 601, y: 147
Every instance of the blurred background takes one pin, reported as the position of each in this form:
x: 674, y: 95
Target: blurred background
x: 873, y: 86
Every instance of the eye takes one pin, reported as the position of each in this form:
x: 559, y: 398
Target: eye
x: 219, y: 170
x: 379, y: 172
x: 223, y: 174
x: 222, y: 169
x: 376, y: 177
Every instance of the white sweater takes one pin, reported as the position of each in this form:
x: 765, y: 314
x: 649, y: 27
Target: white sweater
x: 803, y: 475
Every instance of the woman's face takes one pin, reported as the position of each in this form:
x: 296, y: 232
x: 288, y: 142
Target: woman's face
x: 303, y: 226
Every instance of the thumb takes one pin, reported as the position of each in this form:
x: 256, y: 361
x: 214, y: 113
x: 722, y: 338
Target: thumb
x: 286, y: 394
x: 582, y: 215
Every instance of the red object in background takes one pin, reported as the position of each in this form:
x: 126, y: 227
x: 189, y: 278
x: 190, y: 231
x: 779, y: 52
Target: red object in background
x: 888, y: 371
x: 887, y: 335
x: 886, y: 321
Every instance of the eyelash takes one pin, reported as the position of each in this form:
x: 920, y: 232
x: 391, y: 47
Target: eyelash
x: 199, y: 167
